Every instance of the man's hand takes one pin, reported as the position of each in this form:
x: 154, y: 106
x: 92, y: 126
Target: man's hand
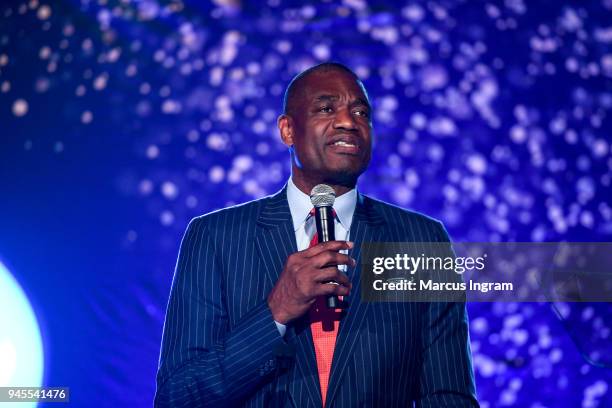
x: 304, y: 278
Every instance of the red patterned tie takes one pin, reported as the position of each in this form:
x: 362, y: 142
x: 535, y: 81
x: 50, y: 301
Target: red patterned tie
x: 324, y: 324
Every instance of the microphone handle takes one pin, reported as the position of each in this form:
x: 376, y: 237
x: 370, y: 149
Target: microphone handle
x: 326, y: 231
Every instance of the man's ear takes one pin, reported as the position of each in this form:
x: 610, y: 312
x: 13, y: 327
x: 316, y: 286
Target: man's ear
x: 285, y: 126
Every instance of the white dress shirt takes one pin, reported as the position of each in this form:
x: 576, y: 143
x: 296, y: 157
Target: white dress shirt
x: 304, y: 226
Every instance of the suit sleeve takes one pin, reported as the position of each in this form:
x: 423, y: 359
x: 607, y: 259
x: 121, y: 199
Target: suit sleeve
x: 447, y: 378
x: 203, y: 359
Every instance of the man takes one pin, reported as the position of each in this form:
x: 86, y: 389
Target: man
x: 244, y: 325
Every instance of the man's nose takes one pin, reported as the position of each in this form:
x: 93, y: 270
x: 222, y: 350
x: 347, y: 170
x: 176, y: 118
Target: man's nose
x: 344, y: 120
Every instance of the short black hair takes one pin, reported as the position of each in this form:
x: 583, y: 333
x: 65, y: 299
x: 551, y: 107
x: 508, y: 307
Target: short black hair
x: 296, y: 84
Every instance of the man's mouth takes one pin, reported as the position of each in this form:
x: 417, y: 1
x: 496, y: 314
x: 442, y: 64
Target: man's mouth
x: 344, y: 144
x: 342, y: 147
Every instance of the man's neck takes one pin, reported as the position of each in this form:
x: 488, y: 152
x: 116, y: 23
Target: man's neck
x: 306, y: 186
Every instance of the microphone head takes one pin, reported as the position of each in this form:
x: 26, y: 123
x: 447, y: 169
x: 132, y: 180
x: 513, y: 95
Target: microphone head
x: 322, y: 195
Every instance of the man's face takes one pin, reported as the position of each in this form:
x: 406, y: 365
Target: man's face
x: 330, y: 129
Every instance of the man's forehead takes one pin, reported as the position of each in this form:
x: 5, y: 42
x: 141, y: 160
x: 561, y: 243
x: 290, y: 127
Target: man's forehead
x: 331, y: 85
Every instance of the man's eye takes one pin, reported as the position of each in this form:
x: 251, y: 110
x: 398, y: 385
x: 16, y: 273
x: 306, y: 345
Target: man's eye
x: 325, y: 109
x: 362, y: 113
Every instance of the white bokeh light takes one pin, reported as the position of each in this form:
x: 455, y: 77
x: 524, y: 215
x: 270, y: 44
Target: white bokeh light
x: 21, y: 349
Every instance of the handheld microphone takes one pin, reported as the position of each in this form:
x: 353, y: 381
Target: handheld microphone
x: 322, y: 198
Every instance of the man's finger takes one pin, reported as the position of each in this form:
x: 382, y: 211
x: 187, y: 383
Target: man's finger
x: 330, y: 258
x: 332, y: 274
x: 326, y: 290
x: 328, y: 246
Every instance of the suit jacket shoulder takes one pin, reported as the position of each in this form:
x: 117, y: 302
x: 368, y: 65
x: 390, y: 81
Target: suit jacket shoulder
x: 407, y: 224
x: 242, y: 213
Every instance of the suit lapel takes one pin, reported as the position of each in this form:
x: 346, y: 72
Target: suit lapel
x: 275, y: 241
x: 366, y: 227
x: 275, y: 237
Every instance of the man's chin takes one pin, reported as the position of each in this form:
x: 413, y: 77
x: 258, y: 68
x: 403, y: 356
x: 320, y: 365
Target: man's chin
x: 344, y: 177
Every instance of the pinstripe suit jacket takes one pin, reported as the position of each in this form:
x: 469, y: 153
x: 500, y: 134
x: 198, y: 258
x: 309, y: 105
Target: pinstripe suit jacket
x: 221, y: 347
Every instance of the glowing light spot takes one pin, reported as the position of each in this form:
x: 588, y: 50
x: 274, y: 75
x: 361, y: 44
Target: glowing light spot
x: 145, y: 187
x: 87, y: 44
x: 191, y: 201
x: 164, y: 91
x: 234, y: 176
x: 100, y: 82
x: 20, y: 107
x: 144, y: 88
x: 113, y: 55
x: 21, y: 350
x: 600, y: 148
x: 216, y: 174
x: 193, y: 136
x: 259, y: 127
x: 131, y: 70
x: 321, y: 51
x: 243, y: 163
x: 418, y: 120
x: 484, y: 365
x: 44, y: 12
x: 68, y: 30
x: 477, y: 164
x: 283, y: 46
x: 166, y: 218
x: 442, y: 126
x: 413, y: 12
x: 80, y: 90
x: 434, y: 77
x: 152, y: 152
x: 42, y: 85
x: 217, y: 141
x: 171, y: 106
x: 169, y: 190
x: 262, y: 148
x: 86, y: 117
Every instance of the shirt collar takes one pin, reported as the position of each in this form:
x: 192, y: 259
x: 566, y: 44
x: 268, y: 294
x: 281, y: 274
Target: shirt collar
x: 300, y: 206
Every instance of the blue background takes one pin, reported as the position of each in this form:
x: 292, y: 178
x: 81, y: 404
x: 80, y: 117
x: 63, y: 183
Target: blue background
x: 121, y: 120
